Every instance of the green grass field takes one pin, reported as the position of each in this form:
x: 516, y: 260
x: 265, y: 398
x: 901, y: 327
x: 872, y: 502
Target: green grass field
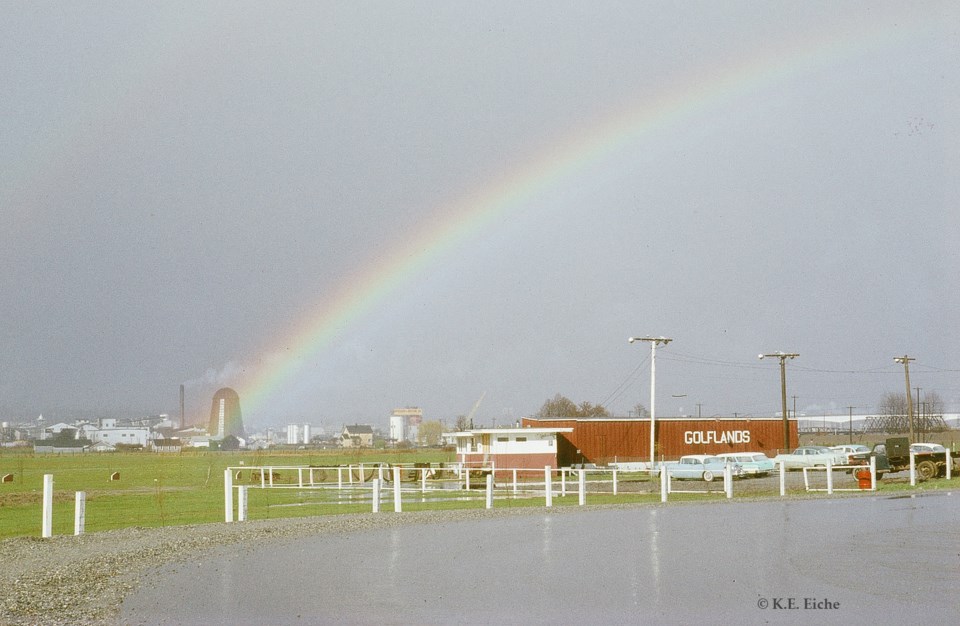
x: 157, y: 489
x: 187, y: 488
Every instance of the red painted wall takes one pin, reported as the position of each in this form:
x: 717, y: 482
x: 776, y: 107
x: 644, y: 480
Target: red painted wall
x: 512, y: 461
x: 603, y: 441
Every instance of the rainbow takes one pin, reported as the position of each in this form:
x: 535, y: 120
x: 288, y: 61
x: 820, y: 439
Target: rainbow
x: 472, y: 214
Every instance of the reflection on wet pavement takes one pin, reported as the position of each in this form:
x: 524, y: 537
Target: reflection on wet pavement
x: 851, y: 559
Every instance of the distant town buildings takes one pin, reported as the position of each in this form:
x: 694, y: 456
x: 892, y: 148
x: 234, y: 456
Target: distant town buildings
x: 405, y: 424
x: 108, y: 434
x: 298, y: 434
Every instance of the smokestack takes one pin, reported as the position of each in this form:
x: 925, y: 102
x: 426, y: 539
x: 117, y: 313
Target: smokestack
x: 181, y: 406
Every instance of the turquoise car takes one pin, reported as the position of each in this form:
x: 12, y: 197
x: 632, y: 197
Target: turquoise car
x: 753, y: 463
x: 700, y: 467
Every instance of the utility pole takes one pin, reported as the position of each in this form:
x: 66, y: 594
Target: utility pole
x: 654, y: 342
x: 698, y: 409
x: 905, y: 360
x: 851, y: 408
x: 783, y: 356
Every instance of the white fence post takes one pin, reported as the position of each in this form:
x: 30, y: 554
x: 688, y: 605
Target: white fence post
x: 46, y: 527
x: 949, y: 464
x: 80, y: 513
x: 582, y: 479
x: 664, y: 481
x: 913, y: 469
x: 242, y: 503
x: 728, y: 480
x: 397, y: 500
x: 563, y: 481
x: 423, y: 479
x: 376, y: 495
x: 873, y: 473
x: 783, y: 478
x: 339, y: 479
x: 829, y: 476
x: 548, y: 484
x: 614, y: 481
x: 514, y: 481
x: 228, y: 495
x: 490, y: 491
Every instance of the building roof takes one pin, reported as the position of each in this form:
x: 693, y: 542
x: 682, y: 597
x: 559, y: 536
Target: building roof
x: 359, y: 429
x: 509, y: 431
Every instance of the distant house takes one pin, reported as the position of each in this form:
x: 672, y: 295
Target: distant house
x: 357, y: 436
x: 101, y: 446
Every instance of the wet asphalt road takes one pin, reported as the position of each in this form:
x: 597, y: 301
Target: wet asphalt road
x: 838, y: 560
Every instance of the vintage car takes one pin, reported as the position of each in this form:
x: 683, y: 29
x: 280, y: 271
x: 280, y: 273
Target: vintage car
x: 917, y: 448
x: 700, y: 467
x: 753, y: 463
x: 811, y: 456
x: 849, y: 450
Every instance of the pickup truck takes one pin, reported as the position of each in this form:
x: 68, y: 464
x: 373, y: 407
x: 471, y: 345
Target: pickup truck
x: 894, y: 456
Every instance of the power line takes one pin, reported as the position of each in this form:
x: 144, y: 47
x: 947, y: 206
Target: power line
x: 626, y: 384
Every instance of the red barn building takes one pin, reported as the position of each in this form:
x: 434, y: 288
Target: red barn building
x: 607, y: 440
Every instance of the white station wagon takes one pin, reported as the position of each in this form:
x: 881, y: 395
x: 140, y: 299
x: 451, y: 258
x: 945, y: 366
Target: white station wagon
x: 753, y: 463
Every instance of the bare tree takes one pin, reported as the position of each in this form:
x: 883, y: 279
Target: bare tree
x: 463, y: 423
x: 894, y: 414
x: 558, y: 406
x: 588, y: 409
x: 561, y: 406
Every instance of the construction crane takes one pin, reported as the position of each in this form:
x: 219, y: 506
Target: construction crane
x: 469, y: 420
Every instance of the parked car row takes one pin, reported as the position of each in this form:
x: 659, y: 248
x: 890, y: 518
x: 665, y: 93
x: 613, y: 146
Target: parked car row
x: 812, y: 456
x: 753, y: 463
x: 708, y: 467
x: 849, y: 450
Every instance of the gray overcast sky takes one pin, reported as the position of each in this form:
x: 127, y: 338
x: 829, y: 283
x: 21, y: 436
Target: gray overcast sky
x: 191, y: 190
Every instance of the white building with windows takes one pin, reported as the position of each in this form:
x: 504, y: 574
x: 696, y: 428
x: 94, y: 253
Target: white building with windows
x: 508, y: 448
x: 106, y: 431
